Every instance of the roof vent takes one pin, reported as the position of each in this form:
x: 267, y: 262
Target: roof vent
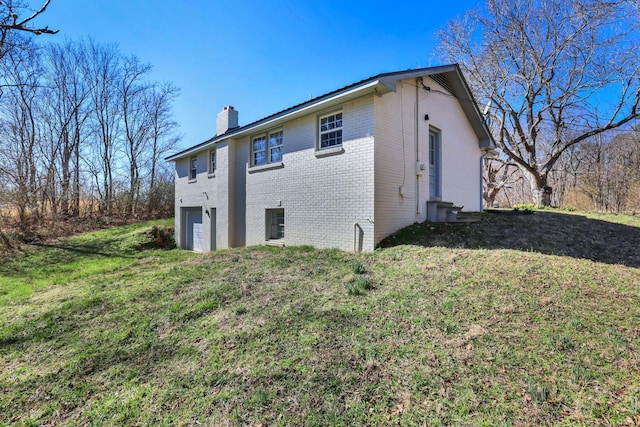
x: 441, y: 79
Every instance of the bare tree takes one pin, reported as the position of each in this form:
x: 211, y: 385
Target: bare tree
x: 66, y: 112
x: 80, y: 120
x: 20, y: 132
x: 137, y: 124
x: 497, y: 174
x: 12, y: 20
x: 102, y: 70
x: 610, y: 172
x: 543, y: 66
x: 162, y: 132
x: 162, y: 139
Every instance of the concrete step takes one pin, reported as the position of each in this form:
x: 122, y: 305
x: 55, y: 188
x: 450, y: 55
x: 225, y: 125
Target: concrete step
x: 441, y: 211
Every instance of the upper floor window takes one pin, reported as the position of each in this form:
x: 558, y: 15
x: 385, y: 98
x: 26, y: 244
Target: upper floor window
x: 193, y: 167
x: 331, y: 130
x: 275, y: 147
x: 212, y: 162
x: 266, y: 148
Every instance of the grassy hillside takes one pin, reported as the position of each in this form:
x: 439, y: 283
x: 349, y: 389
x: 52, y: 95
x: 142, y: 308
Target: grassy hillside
x: 514, y: 320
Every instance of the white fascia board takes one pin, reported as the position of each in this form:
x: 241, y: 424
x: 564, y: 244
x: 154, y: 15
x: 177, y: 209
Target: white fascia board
x: 375, y: 86
x: 317, y: 106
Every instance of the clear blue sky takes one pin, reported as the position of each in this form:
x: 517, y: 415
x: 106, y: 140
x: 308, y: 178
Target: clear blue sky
x: 259, y: 56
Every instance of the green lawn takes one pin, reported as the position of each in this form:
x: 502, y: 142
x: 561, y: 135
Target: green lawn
x: 513, y: 320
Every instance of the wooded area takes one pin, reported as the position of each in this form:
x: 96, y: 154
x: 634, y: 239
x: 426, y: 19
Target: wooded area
x: 83, y: 128
x: 555, y: 79
x: 83, y: 133
x: 602, y: 174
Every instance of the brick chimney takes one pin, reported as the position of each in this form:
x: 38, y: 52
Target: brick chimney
x: 227, y: 119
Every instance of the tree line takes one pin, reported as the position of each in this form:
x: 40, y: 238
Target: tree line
x: 83, y: 132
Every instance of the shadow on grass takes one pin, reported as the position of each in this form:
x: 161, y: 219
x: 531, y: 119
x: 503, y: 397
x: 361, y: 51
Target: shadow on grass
x: 40, y: 258
x: 553, y: 233
x: 90, y: 250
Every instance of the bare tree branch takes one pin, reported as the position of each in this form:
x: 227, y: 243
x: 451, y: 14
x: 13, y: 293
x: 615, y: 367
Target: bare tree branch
x: 546, y: 66
x: 10, y: 22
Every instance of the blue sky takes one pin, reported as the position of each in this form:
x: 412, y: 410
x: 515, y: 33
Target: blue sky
x: 259, y: 56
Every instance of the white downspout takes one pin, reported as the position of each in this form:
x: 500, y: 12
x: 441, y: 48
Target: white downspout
x: 417, y: 146
x: 485, y: 153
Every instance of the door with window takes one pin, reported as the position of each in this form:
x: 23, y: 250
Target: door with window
x: 275, y: 224
x: 435, y: 173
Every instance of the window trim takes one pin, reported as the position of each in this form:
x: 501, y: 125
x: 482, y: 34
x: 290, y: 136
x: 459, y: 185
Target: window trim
x: 212, y: 165
x: 334, y: 148
x: 268, y: 150
x: 193, y: 168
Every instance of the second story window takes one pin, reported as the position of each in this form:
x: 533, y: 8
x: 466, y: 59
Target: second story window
x: 266, y: 148
x: 212, y: 162
x: 331, y: 130
x: 259, y: 149
x: 193, y: 167
x: 275, y: 147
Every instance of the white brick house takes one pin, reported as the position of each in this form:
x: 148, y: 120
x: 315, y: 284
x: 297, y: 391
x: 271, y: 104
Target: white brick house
x: 343, y: 170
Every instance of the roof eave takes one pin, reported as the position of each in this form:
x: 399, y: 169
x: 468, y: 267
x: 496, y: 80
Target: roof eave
x: 372, y: 86
x: 471, y: 110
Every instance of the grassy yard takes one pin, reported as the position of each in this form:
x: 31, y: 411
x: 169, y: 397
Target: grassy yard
x: 513, y: 320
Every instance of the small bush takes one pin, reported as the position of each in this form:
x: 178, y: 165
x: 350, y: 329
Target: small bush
x: 359, y: 285
x: 526, y: 208
x: 358, y: 267
x: 364, y: 282
x: 163, y: 236
x: 354, y: 289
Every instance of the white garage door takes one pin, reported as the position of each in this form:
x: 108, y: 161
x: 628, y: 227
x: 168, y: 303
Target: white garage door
x: 193, y: 229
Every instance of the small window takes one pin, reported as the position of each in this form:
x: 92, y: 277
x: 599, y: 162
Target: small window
x: 275, y: 224
x: 212, y: 162
x: 330, y: 130
x: 193, y: 167
x: 266, y: 148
